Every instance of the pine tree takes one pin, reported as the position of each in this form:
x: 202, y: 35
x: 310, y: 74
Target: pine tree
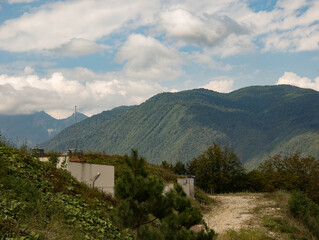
x: 142, y: 201
x: 152, y: 214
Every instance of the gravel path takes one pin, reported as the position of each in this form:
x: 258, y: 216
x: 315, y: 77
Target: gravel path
x: 232, y: 212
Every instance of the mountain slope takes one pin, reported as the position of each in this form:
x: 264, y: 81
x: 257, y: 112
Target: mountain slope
x: 66, y: 138
x: 34, y: 128
x: 39, y: 201
x: 255, y: 121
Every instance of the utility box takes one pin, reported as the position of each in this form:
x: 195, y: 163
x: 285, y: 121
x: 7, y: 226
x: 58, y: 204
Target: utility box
x: 99, y: 175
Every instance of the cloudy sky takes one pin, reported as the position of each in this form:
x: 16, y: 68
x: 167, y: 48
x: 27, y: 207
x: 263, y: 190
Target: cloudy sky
x: 99, y: 54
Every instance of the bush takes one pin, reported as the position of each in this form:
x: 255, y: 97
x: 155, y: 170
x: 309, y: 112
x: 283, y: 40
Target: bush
x: 305, y: 210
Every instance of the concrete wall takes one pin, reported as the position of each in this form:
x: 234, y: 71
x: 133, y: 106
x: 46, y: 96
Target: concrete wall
x: 85, y: 172
x: 188, y: 186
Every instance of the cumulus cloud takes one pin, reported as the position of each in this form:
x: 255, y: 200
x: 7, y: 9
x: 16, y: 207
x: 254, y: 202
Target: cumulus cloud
x: 58, y: 95
x: 291, y: 78
x: 204, y: 31
x: 55, y: 24
x: 79, y: 46
x: 292, y: 26
x: 147, y: 58
x: 233, y: 45
x: 220, y: 84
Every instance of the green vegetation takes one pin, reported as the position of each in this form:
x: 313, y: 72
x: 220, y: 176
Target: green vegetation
x: 39, y: 201
x: 306, y: 211
x: 279, y: 224
x: 244, y: 234
x: 217, y: 170
x: 119, y: 163
x: 257, y: 121
x: 291, y: 173
x: 152, y: 214
x: 284, y: 223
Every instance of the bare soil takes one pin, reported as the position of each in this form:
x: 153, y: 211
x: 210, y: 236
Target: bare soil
x: 236, y: 211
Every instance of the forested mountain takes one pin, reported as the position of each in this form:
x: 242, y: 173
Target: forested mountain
x: 256, y: 121
x: 33, y: 128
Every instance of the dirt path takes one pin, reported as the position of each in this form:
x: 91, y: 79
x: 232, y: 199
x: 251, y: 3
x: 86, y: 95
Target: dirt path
x: 234, y: 211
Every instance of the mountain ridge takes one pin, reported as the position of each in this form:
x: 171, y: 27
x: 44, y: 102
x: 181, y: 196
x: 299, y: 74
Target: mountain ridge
x: 32, y: 129
x: 256, y: 121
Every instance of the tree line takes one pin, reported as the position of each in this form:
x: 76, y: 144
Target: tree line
x: 219, y: 170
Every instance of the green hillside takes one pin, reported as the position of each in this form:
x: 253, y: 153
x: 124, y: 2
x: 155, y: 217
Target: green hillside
x: 33, y: 128
x: 255, y: 121
x: 39, y: 201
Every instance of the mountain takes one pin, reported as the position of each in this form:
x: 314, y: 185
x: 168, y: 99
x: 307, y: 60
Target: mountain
x: 85, y: 127
x: 256, y: 121
x: 33, y: 128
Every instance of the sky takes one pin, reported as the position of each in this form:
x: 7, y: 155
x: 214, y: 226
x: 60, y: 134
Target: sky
x: 100, y: 54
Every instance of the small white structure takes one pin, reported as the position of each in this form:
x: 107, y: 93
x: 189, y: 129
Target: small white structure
x: 99, y: 175
x: 188, y: 183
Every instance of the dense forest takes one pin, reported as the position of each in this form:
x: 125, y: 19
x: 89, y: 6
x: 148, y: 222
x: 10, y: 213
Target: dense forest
x: 256, y: 121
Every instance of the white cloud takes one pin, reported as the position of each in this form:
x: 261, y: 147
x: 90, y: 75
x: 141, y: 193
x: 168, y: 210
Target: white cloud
x: 57, y: 95
x: 203, y: 31
x: 21, y: 1
x: 28, y: 70
x: 55, y: 24
x: 291, y: 78
x: 78, y: 46
x: 204, y: 58
x: 233, y: 45
x: 292, y: 26
x: 148, y: 58
x: 220, y: 84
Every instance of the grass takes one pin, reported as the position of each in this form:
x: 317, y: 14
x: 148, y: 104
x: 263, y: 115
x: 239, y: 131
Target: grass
x: 118, y: 161
x: 279, y: 225
x: 305, y: 211
x: 244, y: 234
x: 39, y: 201
x: 281, y: 222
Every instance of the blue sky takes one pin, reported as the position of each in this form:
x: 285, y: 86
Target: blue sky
x: 99, y: 54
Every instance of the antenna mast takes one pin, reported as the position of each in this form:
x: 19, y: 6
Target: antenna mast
x: 76, y: 130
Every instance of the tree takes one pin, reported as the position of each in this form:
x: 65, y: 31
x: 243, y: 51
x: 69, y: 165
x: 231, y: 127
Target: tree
x: 151, y: 214
x: 176, y: 226
x: 167, y: 165
x: 180, y: 168
x: 54, y: 158
x: 292, y: 173
x: 217, y: 170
